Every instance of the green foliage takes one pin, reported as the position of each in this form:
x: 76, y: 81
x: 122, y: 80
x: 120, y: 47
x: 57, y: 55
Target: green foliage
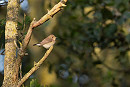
x: 23, y: 27
x: 91, y: 24
x: 27, y: 20
x: 25, y: 23
x: 34, y: 83
x: 86, y: 31
x: 128, y: 38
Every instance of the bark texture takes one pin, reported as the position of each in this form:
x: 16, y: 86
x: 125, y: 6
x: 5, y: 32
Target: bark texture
x: 10, y: 74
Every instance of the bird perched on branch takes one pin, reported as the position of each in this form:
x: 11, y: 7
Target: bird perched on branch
x: 47, y: 42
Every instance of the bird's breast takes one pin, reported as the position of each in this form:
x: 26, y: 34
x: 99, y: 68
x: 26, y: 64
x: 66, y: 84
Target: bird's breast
x: 48, y: 45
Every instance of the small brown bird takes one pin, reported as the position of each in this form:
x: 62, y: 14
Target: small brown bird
x: 47, y: 42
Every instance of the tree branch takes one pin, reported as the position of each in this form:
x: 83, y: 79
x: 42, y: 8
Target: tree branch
x: 34, y: 24
x: 36, y: 66
x: 58, y: 7
x: 25, y: 42
x: 51, y: 13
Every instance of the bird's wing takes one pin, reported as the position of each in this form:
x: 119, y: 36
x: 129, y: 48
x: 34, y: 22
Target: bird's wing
x: 46, y: 40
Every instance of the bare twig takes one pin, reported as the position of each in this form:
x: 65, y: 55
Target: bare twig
x: 28, y: 35
x: 51, y: 13
x: 34, y: 24
x: 16, y: 44
x: 2, y: 53
x: 36, y: 66
x: 25, y: 42
x: 27, y: 38
x: 21, y: 73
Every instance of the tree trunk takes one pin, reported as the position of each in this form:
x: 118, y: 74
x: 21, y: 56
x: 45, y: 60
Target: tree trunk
x: 10, y: 72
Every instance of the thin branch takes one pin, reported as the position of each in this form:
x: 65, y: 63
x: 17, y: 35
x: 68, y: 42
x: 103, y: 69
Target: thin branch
x: 36, y: 66
x: 51, y: 13
x: 2, y: 53
x: 22, y: 50
x: 16, y: 44
x: 34, y: 24
x: 28, y: 35
x: 27, y: 38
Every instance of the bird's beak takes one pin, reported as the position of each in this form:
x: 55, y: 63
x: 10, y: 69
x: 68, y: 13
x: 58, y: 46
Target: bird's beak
x: 57, y: 38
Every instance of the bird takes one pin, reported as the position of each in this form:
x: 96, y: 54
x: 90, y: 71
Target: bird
x: 47, y: 42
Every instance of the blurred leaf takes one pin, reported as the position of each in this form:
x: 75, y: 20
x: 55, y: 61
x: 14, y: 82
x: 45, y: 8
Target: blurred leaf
x: 98, y: 15
x: 55, y: 86
x: 106, y: 13
x: 128, y: 38
x: 34, y: 83
x: 110, y: 30
x: 126, y: 14
x: 20, y: 24
x: 68, y: 60
x: 122, y: 7
x: 27, y: 20
x: 2, y: 22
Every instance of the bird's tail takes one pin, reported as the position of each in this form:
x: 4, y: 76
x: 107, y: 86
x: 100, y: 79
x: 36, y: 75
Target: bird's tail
x: 37, y: 44
x: 34, y: 44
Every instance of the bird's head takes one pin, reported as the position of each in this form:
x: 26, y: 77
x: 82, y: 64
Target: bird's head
x: 52, y: 37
